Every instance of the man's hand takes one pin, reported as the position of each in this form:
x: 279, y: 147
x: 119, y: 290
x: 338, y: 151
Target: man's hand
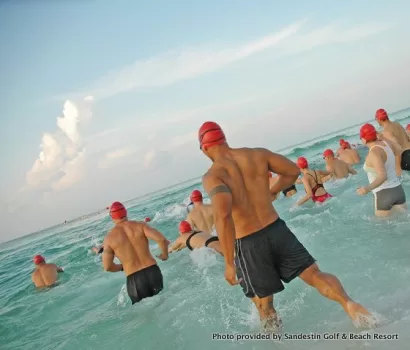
x: 163, y: 256
x: 230, y: 275
x: 362, y: 191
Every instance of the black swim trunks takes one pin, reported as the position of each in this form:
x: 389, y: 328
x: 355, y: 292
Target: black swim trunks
x: 286, y: 190
x: 144, y: 283
x: 188, y: 241
x: 210, y: 240
x: 405, y: 160
x: 269, y: 256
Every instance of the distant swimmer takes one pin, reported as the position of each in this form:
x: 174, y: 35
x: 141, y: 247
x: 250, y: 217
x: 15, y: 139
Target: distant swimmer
x: 349, y: 155
x: 287, y: 192
x: 394, y: 132
x: 313, y: 183
x: 128, y: 241
x: 248, y: 226
x: 381, y: 168
x: 194, y: 239
x: 337, y: 168
x: 201, y: 217
x: 45, y: 275
x: 147, y: 219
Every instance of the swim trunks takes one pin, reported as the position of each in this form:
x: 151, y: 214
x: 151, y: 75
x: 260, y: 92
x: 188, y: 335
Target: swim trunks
x: 144, y: 283
x: 210, y: 240
x: 321, y: 198
x: 188, y: 241
x: 269, y: 256
x: 385, y: 199
x: 286, y: 190
x: 405, y: 160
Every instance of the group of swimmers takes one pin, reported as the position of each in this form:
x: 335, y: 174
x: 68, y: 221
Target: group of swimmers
x: 259, y: 250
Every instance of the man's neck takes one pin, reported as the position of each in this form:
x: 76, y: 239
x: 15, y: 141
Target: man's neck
x: 198, y: 204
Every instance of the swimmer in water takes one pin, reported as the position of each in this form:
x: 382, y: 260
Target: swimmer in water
x: 128, y: 241
x: 249, y: 228
x: 335, y: 167
x: 287, y: 192
x: 349, y: 155
x: 201, y: 217
x: 394, y: 132
x: 312, y: 181
x: 380, y: 166
x: 45, y: 275
x: 194, y: 239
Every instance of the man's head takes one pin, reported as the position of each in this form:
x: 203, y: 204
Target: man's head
x: 302, y: 163
x: 341, y: 141
x: 147, y: 219
x: 118, y: 212
x: 346, y: 145
x: 368, y: 133
x: 381, y: 117
x: 38, y: 260
x: 196, y: 197
x: 328, y: 155
x: 184, y: 227
x: 211, y: 137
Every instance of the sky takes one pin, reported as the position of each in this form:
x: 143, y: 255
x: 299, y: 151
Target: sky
x: 102, y: 100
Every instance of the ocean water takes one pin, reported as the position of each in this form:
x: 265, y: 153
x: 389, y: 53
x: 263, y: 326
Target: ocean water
x: 90, y: 309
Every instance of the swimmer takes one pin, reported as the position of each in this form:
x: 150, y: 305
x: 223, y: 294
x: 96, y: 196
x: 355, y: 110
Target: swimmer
x: 380, y: 166
x: 287, y: 192
x: 266, y: 251
x: 336, y: 167
x: 194, y: 239
x: 45, y: 275
x: 201, y: 217
x: 349, y: 155
x: 313, y: 183
x: 394, y: 132
x: 128, y: 241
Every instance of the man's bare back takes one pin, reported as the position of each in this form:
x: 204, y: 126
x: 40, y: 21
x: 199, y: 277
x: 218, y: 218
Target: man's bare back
x: 128, y: 241
x: 395, y: 132
x: 340, y: 169
x: 45, y: 275
x: 201, y: 218
x: 349, y: 156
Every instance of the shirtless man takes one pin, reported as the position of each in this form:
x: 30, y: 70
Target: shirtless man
x: 201, y: 216
x: 394, y: 132
x: 337, y: 168
x: 266, y: 251
x: 45, y: 275
x: 349, y: 155
x: 194, y: 239
x: 128, y: 241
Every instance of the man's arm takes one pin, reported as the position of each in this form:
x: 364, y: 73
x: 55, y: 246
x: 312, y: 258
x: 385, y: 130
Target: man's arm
x: 108, y: 259
x: 221, y: 200
x: 286, y: 170
x: 351, y: 170
x: 154, y: 235
x: 308, y: 190
x: 178, y: 245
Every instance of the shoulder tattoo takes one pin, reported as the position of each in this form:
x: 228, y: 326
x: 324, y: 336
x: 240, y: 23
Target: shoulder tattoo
x: 219, y: 189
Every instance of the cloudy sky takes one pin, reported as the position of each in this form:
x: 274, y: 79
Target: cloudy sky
x: 101, y: 100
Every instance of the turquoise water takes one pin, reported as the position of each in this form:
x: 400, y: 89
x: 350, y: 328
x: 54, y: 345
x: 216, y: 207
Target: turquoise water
x: 90, y: 309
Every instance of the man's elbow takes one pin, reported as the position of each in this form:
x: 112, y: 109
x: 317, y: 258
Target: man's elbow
x: 222, y: 217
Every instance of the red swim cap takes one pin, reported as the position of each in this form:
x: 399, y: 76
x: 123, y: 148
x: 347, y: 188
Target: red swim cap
x: 302, y: 163
x: 341, y: 141
x: 196, y: 196
x: 381, y: 115
x: 408, y: 127
x: 328, y: 153
x: 118, y: 211
x: 210, y: 134
x: 147, y: 219
x: 345, y: 145
x: 368, y: 132
x: 184, y: 227
x: 38, y: 259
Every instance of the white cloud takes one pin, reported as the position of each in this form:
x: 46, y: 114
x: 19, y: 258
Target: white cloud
x: 62, y: 152
x: 115, y: 156
x: 153, y: 159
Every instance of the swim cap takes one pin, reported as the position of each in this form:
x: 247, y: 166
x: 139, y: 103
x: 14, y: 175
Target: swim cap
x: 270, y: 174
x: 118, y: 211
x: 368, y: 132
x: 381, y: 115
x: 38, y: 259
x: 302, y: 163
x: 196, y: 196
x: 184, y: 227
x: 345, y: 145
x: 341, y: 141
x: 328, y: 153
x: 147, y: 219
x: 408, y: 127
x: 210, y: 134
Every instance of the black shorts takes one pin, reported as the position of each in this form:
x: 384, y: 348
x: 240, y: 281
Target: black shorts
x: 266, y: 258
x: 144, y: 283
x: 405, y: 160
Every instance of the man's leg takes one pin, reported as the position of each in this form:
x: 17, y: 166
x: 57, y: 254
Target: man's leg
x: 267, y: 313
x: 330, y: 287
